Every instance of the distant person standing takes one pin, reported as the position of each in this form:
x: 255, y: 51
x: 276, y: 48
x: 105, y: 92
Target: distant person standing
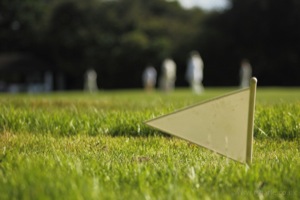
x: 194, y: 73
x: 90, y: 84
x: 245, y: 73
x: 149, y: 78
x: 168, y: 76
x: 48, y: 82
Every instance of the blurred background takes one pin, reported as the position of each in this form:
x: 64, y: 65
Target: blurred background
x: 48, y: 45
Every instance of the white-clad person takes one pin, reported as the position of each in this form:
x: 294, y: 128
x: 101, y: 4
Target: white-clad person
x: 168, y: 75
x: 245, y: 73
x: 90, y: 84
x: 149, y: 78
x: 194, y: 72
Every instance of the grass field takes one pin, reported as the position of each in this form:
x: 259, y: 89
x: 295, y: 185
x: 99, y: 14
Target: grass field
x: 95, y: 146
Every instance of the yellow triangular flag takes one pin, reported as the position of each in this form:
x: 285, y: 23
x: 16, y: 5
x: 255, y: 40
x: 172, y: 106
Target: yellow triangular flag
x: 223, y: 124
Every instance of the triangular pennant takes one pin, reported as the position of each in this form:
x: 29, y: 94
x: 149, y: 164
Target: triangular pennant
x: 223, y: 124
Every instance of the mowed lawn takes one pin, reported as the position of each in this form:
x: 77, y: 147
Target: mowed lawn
x: 96, y: 146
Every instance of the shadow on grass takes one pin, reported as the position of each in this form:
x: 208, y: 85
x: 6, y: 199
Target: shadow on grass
x: 135, y: 131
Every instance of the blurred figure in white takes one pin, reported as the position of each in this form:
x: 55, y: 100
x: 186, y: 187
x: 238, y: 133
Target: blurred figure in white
x: 90, y: 84
x: 245, y: 73
x: 149, y: 78
x: 168, y: 76
x: 48, y: 82
x: 194, y: 72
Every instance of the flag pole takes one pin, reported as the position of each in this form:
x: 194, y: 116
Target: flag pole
x: 253, y: 83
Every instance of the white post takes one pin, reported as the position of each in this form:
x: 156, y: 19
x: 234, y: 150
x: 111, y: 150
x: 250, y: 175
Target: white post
x: 252, y: 97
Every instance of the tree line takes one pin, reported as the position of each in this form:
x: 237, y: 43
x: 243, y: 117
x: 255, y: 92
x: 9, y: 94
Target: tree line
x: 118, y: 38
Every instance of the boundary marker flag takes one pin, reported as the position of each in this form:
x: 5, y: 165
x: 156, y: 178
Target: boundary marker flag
x: 223, y: 124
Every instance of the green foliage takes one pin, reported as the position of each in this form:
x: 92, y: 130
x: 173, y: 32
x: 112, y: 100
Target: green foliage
x: 119, y: 38
x: 82, y: 146
x: 22, y: 24
x: 265, y: 32
x: 114, y: 37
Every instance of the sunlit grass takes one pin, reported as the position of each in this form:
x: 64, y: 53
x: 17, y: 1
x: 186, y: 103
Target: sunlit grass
x: 82, y: 146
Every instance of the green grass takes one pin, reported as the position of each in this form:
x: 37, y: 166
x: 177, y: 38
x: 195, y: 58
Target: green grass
x: 82, y: 146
